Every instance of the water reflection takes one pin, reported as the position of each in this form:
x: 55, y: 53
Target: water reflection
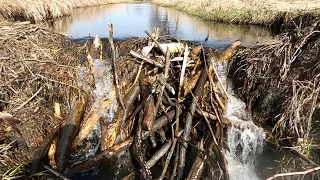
x: 132, y: 19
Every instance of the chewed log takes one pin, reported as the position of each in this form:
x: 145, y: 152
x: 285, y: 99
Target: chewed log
x: 68, y: 131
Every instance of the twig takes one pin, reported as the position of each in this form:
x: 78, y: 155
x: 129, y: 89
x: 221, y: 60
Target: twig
x: 220, y: 82
x: 56, y: 173
x: 52, y: 80
x: 114, y: 68
x: 294, y: 173
x: 137, y: 55
x: 206, y: 114
x: 189, y: 117
x: 162, y: 50
x: 158, y: 155
x: 146, y: 174
x: 166, y: 72
x: 217, y: 148
x: 26, y: 102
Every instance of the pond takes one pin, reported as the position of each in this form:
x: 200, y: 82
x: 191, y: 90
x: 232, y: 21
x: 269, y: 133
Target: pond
x: 130, y: 20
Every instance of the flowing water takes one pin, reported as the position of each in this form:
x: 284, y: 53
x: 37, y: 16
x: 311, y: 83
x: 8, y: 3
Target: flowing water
x: 246, y: 142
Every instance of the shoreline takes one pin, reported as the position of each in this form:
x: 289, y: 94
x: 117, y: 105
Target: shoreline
x: 278, y: 14
x: 41, y: 10
x: 248, y: 13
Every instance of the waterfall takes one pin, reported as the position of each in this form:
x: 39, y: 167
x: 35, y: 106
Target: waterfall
x: 245, y: 141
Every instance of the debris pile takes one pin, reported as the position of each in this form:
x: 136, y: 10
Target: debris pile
x: 157, y: 98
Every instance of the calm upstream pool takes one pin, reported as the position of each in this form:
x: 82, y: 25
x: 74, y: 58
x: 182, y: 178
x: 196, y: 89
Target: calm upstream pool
x: 130, y: 20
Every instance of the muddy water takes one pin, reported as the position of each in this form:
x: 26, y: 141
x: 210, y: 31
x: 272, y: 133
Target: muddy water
x: 132, y: 19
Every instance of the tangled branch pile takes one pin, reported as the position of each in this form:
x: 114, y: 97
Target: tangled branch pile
x: 153, y: 104
x: 281, y: 82
x: 37, y: 68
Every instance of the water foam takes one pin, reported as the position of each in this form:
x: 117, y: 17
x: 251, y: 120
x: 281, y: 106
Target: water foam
x: 245, y: 141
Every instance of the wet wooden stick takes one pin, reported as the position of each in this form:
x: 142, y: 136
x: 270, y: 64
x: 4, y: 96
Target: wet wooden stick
x: 68, y: 132
x: 166, y: 72
x: 115, y: 75
x: 160, y: 122
x: 197, y: 168
x: 217, y: 149
x: 96, y: 159
x: 41, y: 152
x: 159, y: 154
x: 146, y: 173
x: 188, y: 125
x: 219, y: 80
x: 214, y: 87
x: 176, y: 162
x: 111, y: 131
x: 166, y: 165
x: 56, y: 173
x: 90, y: 121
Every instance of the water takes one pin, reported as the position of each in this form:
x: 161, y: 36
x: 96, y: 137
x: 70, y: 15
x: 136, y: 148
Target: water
x: 245, y: 140
x: 130, y: 20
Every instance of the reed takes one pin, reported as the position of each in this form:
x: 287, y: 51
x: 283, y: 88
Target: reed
x: 40, y: 10
x: 246, y: 11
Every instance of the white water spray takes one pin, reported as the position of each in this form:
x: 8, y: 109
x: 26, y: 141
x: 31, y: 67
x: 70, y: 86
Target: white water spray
x: 245, y: 140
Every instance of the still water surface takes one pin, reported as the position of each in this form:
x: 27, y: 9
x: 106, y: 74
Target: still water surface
x: 130, y: 20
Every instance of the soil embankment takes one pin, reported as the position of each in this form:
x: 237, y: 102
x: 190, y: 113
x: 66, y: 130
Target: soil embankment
x: 38, y: 69
x: 281, y: 84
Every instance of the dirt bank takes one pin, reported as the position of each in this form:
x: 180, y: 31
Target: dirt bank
x: 40, y: 10
x: 37, y: 70
x: 273, y: 13
x: 281, y: 84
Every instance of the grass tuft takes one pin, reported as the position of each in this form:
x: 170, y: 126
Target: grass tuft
x: 40, y: 10
x: 246, y: 11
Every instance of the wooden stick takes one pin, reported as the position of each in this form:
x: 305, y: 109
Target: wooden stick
x: 56, y: 173
x: 188, y: 125
x: 115, y: 75
x: 294, y: 173
x: 137, y: 55
x: 158, y: 44
x: 159, y: 154
x: 26, y: 102
x: 166, y: 72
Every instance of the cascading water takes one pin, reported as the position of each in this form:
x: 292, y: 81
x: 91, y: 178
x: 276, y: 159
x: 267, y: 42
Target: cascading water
x: 245, y: 140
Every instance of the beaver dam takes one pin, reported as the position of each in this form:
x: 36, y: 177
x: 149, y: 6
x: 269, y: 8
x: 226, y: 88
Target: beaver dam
x: 157, y: 107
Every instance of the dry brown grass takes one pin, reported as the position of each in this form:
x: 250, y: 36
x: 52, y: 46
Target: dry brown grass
x: 244, y: 11
x: 37, y: 68
x: 39, y: 10
x: 281, y: 83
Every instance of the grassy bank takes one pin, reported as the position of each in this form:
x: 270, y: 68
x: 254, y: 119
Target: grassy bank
x: 39, y: 10
x: 268, y: 12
